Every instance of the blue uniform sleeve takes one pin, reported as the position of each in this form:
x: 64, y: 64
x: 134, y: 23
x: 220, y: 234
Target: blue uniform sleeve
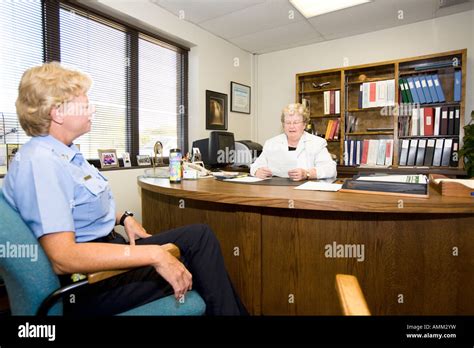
x: 44, y: 195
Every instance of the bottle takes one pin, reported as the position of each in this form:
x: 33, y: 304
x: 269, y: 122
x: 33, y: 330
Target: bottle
x: 176, y: 172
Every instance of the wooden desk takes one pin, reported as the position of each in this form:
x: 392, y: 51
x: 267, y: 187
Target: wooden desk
x: 418, y: 253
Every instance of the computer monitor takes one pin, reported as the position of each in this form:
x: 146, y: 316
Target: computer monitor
x: 218, y: 150
x: 221, y: 149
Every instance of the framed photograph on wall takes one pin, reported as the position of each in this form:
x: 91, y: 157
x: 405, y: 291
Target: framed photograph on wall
x: 108, y: 158
x: 239, y: 98
x: 216, y: 110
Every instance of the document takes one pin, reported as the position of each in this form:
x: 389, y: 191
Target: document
x: 413, y: 179
x: 319, y: 186
x: 246, y: 179
x: 282, y: 163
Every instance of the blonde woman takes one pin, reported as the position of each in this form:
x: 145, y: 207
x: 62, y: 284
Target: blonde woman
x: 68, y: 205
x: 305, y: 154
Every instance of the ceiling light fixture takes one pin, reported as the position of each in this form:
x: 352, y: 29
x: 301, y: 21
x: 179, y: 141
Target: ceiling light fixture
x: 312, y: 8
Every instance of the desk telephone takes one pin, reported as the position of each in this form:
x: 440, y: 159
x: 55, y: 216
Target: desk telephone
x: 197, y: 166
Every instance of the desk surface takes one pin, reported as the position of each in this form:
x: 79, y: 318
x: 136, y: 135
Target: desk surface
x: 212, y: 190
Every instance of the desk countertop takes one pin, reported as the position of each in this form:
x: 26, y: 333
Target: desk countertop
x: 212, y: 190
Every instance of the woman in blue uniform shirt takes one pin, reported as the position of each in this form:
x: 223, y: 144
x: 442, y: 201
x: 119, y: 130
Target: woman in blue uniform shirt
x: 68, y: 205
x: 306, y: 154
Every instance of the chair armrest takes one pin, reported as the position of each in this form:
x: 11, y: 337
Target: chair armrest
x: 99, y: 276
x: 91, y: 279
x: 350, y: 295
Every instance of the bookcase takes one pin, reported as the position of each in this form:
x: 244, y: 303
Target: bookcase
x: 404, y: 115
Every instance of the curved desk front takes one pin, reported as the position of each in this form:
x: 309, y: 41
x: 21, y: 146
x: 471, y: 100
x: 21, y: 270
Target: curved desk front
x: 283, y: 247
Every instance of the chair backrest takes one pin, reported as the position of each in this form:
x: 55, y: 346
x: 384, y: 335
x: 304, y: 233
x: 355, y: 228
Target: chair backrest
x: 24, y: 266
x: 350, y: 295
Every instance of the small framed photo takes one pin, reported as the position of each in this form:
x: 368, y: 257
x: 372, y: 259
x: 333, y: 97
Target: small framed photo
x: 143, y: 160
x: 12, y: 149
x: 108, y: 158
x: 239, y: 98
x: 216, y: 110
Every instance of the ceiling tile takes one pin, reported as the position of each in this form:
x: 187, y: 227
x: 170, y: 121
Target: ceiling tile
x: 268, y: 15
x: 290, y: 34
x: 197, y: 11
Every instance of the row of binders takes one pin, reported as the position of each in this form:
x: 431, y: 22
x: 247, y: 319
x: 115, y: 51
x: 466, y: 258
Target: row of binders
x: 429, y: 152
x: 332, y: 102
x: 368, y: 152
x: 332, y: 130
x: 374, y: 94
x: 428, y: 121
x: 426, y: 89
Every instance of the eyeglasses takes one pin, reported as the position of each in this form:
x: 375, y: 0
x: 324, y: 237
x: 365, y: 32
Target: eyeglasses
x: 294, y: 123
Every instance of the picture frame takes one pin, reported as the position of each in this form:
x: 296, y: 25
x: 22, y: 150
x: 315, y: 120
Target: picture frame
x: 240, y: 98
x: 143, y: 160
x: 108, y: 158
x: 216, y: 110
x: 12, y: 149
x: 126, y: 160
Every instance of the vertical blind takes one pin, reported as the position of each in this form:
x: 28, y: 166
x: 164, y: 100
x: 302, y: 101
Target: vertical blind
x: 130, y: 116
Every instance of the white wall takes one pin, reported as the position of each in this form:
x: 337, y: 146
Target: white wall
x: 277, y: 70
x: 211, y: 63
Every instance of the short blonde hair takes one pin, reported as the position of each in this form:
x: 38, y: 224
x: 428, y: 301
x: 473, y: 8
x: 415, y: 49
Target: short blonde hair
x: 295, y: 109
x: 43, y: 87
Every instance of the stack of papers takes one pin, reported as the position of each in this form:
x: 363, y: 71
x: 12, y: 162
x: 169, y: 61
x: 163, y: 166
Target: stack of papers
x: 319, y: 186
x: 410, y: 179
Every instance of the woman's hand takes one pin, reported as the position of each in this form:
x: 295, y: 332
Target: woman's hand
x: 263, y: 173
x: 297, y: 174
x: 174, y: 272
x: 134, y: 230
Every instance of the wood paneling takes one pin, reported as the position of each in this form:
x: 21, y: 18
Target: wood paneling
x: 282, y: 250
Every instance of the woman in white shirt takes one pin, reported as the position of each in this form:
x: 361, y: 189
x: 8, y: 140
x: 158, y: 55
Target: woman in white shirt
x: 295, y: 154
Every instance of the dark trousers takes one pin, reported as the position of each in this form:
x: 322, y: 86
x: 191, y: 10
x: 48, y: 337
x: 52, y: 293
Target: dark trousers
x: 200, y: 253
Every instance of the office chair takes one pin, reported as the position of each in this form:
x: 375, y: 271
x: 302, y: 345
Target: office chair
x: 34, y: 289
x: 350, y: 295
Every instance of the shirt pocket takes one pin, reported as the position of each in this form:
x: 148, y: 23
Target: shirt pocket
x: 99, y: 199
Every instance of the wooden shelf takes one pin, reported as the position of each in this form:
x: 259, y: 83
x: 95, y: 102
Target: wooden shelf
x: 326, y: 116
x: 319, y: 90
x: 426, y: 136
x: 375, y: 79
x: 369, y: 109
x: 436, y: 70
x: 451, y: 103
x: 369, y: 133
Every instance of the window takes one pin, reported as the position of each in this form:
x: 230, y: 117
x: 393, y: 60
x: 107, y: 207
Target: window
x: 139, y: 82
x: 22, y: 47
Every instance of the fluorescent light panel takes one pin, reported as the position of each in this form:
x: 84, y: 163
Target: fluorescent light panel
x: 312, y: 8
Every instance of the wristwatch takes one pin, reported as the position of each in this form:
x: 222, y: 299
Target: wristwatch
x: 124, y: 216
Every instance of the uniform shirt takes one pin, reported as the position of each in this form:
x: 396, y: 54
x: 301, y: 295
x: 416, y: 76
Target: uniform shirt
x: 311, y: 152
x: 55, y: 189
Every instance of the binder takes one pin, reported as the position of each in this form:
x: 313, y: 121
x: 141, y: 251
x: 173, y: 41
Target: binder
x: 365, y: 96
x: 454, y: 161
x: 438, y: 152
x: 419, y: 90
x: 404, y: 152
x: 448, y: 143
x: 361, y: 93
x: 451, y: 121
x: 337, y: 106
x: 414, y: 93
x: 437, y: 120
x: 457, y: 85
x: 429, y: 152
x: 390, y: 92
x: 389, y: 152
x: 444, y: 121
x: 421, y: 125
x: 432, y: 89
x: 346, y: 153
x: 420, y: 154
x: 438, y: 88
x: 415, y: 121
x: 456, y: 120
x: 412, y: 152
x: 332, y: 100
x: 404, y: 96
x: 428, y: 124
x: 407, y: 90
x: 426, y: 91
x: 381, y: 153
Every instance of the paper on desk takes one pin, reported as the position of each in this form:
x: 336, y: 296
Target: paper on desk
x: 280, y: 165
x: 245, y: 179
x: 466, y: 182
x: 319, y: 186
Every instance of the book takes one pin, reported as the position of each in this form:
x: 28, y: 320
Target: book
x: 457, y: 85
